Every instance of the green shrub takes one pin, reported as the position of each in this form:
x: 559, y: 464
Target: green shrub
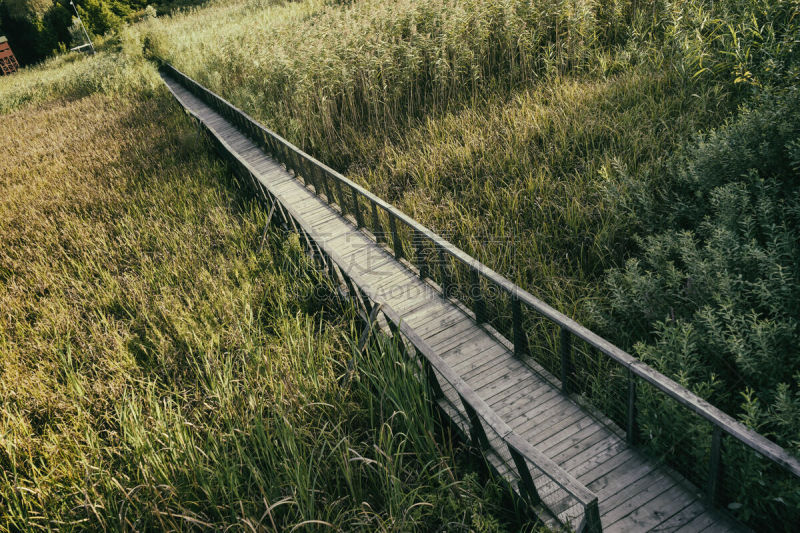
x: 714, y: 297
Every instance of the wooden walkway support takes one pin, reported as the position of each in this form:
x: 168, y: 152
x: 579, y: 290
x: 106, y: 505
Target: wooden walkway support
x: 576, y: 467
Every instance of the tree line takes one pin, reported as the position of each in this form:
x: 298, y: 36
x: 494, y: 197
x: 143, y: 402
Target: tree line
x: 37, y: 29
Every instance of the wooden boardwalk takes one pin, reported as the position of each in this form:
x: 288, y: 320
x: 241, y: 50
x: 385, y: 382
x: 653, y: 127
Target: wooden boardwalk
x: 635, y: 493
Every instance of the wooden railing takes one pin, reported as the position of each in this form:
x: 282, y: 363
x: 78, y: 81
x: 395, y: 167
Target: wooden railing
x: 539, y: 479
x: 510, y: 311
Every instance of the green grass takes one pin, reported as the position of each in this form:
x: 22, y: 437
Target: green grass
x: 536, y: 135
x: 159, y: 372
x: 511, y: 127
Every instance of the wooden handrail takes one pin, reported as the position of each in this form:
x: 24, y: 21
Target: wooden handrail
x: 637, y: 368
x: 551, y: 470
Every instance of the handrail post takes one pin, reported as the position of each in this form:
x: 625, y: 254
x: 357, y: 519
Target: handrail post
x: 565, y: 349
x: 326, y: 186
x: 339, y: 196
x: 526, y: 485
x: 447, y: 286
x: 631, y: 431
x: 309, y: 176
x: 396, y: 244
x: 478, y: 305
x: 477, y: 433
x: 357, y: 208
x: 436, y: 388
x: 520, y: 339
x: 714, y: 466
x: 591, y: 518
x: 376, y: 222
x: 421, y: 263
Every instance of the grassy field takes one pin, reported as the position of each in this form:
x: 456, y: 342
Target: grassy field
x: 583, y: 149
x: 159, y: 372
x: 461, y: 112
x: 610, y: 156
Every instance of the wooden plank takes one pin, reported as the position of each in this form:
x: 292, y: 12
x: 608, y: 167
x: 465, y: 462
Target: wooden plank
x: 443, y: 338
x: 465, y: 340
x: 362, y: 255
x: 317, y: 218
x: 699, y: 523
x: 416, y: 306
x: 347, y: 242
x: 477, y: 365
x: 572, y: 437
x: 595, y: 456
x: 483, y: 373
x: 400, y: 279
x: 723, y: 524
x: 567, y: 452
x: 518, y: 410
x: 504, y: 394
x: 435, y: 338
x: 437, y: 314
x: 544, y: 397
x: 681, y: 518
x: 656, y: 511
x: 619, y: 498
x: 629, y: 472
x: 644, y: 495
x: 462, y: 357
x: 378, y: 269
x: 562, y: 417
x: 571, y: 421
x: 602, y: 466
x: 504, y: 387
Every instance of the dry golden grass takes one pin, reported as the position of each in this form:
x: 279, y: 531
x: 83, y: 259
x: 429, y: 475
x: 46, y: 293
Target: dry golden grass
x: 158, y: 372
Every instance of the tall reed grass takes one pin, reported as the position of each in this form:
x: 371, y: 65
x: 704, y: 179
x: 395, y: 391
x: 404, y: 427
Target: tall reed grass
x: 512, y: 127
x: 158, y: 372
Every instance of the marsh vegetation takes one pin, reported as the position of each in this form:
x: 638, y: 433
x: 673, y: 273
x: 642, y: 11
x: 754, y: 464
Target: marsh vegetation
x: 634, y: 164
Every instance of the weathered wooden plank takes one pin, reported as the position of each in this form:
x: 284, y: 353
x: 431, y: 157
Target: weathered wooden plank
x: 657, y: 510
x: 503, y: 385
x: 701, y: 522
x: 626, y: 474
x: 378, y: 269
x: 567, y: 452
x: 618, y: 502
x: 575, y: 440
x: 519, y: 410
x: 447, y: 338
x: 465, y: 340
x: 414, y: 306
x: 433, y: 317
x: 596, y: 455
x: 471, y: 357
x: 601, y: 465
x: 681, y: 518
x: 639, y: 499
x: 571, y: 420
x: 461, y: 357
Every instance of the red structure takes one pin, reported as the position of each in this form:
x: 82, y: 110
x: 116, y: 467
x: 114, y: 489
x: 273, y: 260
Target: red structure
x: 8, y: 63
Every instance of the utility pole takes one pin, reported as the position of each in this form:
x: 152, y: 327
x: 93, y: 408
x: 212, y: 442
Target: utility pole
x: 86, y: 33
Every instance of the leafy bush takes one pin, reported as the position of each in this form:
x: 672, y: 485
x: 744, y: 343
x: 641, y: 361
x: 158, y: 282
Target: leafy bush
x: 714, y: 297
